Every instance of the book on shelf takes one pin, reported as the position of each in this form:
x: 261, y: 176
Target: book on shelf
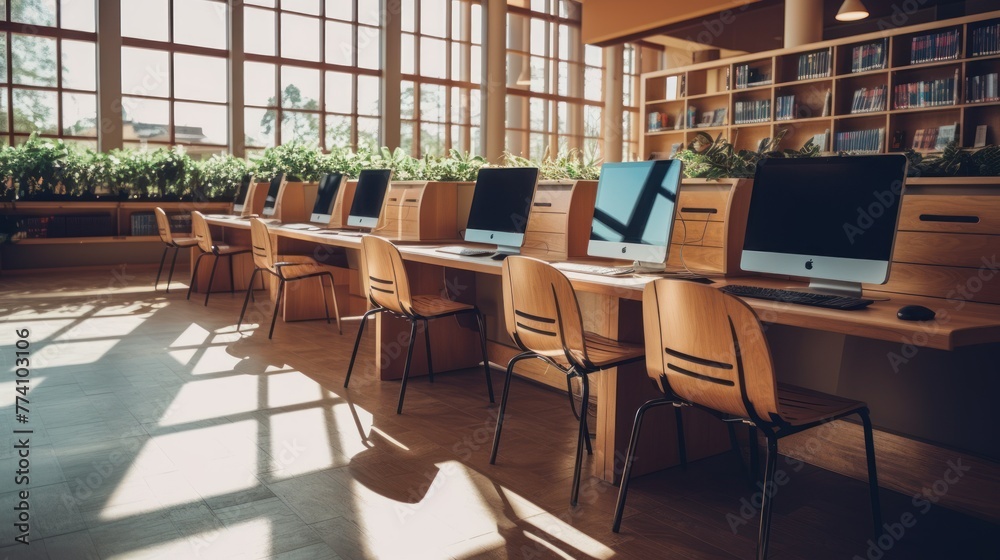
x: 674, y: 148
x: 870, y: 56
x: 827, y: 103
x: 673, y: 88
x: 981, y: 89
x: 719, y: 117
x: 984, y: 41
x: 868, y: 100
x: 945, y: 135
x: 980, y: 140
x: 928, y: 93
x: 657, y: 121
x: 749, y: 76
x: 897, y: 140
x: 815, y: 64
x: 748, y: 112
x: 860, y: 141
x: 943, y: 45
x: 785, y: 108
x: 822, y: 140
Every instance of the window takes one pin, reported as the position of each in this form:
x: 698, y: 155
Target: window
x: 441, y: 66
x: 48, y: 81
x: 312, y: 73
x: 175, y: 74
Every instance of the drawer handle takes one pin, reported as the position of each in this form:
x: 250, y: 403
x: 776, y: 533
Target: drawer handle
x: 700, y: 210
x: 412, y: 200
x: 949, y: 219
x: 393, y: 200
x: 543, y: 204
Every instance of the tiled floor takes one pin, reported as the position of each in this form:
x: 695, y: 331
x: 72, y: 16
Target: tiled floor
x: 159, y: 432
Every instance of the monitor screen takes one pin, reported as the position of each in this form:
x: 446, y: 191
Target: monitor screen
x: 326, y: 196
x: 272, y: 194
x: 240, y: 200
x: 830, y: 218
x: 368, y: 197
x: 634, y: 210
x: 500, y: 205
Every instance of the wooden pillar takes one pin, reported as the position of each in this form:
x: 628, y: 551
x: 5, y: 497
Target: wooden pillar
x: 109, y: 76
x: 494, y: 83
x: 576, y: 70
x: 237, y: 126
x: 803, y: 22
x: 614, y: 102
x: 391, y: 73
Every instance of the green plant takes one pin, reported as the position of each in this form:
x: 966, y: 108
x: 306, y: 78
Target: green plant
x: 570, y: 165
x: 721, y: 159
x: 217, y: 178
x: 456, y: 166
x: 956, y: 162
x: 295, y: 160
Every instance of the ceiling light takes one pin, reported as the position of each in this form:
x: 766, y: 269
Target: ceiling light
x: 852, y: 10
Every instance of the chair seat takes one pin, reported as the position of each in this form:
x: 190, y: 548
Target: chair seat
x: 302, y: 266
x: 604, y: 351
x: 231, y: 249
x: 433, y: 306
x: 799, y: 405
x: 185, y: 241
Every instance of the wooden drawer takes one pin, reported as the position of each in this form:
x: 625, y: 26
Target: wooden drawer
x: 403, y: 196
x: 706, y: 203
x: 954, y: 213
x: 708, y: 234
x: 547, y: 222
x: 393, y: 212
x: 552, y: 198
x: 548, y: 242
x: 946, y: 249
x: 706, y: 259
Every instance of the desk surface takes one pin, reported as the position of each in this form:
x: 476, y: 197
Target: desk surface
x: 957, y: 323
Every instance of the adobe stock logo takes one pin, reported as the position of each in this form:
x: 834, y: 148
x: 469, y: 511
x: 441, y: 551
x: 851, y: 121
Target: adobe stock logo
x: 809, y: 264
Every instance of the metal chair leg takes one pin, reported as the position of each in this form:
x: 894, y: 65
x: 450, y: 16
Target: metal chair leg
x: 277, y: 306
x: 336, y: 308
x: 211, y: 279
x: 427, y: 344
x: 326, y: 305
x: 246, y: 299
x: 681, y: 447
x: 163, y: 258
x: 357, y: 342
x: 503, y: 403
x: 194, y: 274
x: 232, y: 282
x: 630, y: 457
x: 406, y: 365
x: 486, y: 359
x: 766, y: 500
x: 754, y: 457
x: 872, y: 475
x: 586, y: 434
x: 575, y: 494
x: 735, y: 445
x: 173, y: 262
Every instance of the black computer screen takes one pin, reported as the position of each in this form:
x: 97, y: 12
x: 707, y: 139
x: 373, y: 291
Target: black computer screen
x: 502, y: 199
x: 844, y: 207
x: 636, y: 201
x: 370, y: 192
x: 326, y: 194
x: 241, y: 194
x: 272, y: 191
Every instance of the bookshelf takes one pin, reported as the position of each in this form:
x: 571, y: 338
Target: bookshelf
x: 844, y: 88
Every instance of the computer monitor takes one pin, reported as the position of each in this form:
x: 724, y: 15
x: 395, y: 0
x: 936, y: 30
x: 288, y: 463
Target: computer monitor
x: 368, y: 197
x: 240, y: 200
x: 326, y: 197
x: 272, y: 194
x: 830, y: 219
x: 634, y: 212
x: 500, y: 205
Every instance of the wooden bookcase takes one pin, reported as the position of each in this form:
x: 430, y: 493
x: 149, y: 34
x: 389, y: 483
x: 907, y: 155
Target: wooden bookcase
x: 824, y: 102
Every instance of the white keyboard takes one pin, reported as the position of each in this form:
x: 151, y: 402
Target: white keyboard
x: 300, y: 226
x: 465, y: 251
x: 594, y: 269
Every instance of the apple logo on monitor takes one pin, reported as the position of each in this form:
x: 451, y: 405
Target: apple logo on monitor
x: 809, y: 264
x: 624, y: 249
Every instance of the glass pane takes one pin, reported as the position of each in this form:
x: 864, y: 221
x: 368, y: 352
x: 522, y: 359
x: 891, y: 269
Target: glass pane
x: 145, y: 72
x: 300, y: 37
x: 459, y: 104
x: 368, y: 133
x: 258, y: 31
x: 338, y: 131
x: 198, y: 123
x: 476, y: 75
x: 431, y: 139
x: 79, y: 114
x: 3, y: 59
x: 369, y: 13
x: 299, y: 127
x: 79, y: 65
x: 518, y: 71
x: 562, y: 80
x: 475, y: 104
x: 201, y: 23
x: 339, y: 43
x: 477, y: 24
x: 537, y: 114
x: 35, y: 111
x: 538, y: 37
x: 593, y: 56
x: 200, y: 78
x: 432, y: 103
x: 409, y: 50
x: 340, y: 9
x: 145, y: 20
x: 339, y: 93
x: 260, y: 127
x: 146, y: 119
x: 538, y: 145
x: 259, y: 84
x: 266, y: 3
x: 433, y: 17
x: 591, y: 121
x: 406, y: 136
x: 78, y: 14
x: 33, y: 12
x: 300, y: 88
x: 562, y: 126
x: 304, y: 6
x: 369, y: 96
x: 564, y: 48
x: 368, y: 47
x: 408, y: 9
x: 3, y: 110
x: 34, y: 60
x: 433, y: 57
x: 539, y: 81
x: 406, y: 105
x: 593, y: 84
x: 456, y: 60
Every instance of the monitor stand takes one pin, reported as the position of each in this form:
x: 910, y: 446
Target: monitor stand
x: 831, y: 287
x: 508, y: 250
x: 642, y: 267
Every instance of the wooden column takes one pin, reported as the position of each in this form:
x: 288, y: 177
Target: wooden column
x: 614, y: 103
x: 494, y: 88
x: 391, y: 73
x: 803, y: 22
x: 109, y: 76
x: 237, y: 126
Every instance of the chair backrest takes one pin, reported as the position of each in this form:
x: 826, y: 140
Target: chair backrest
x: 388, y: 285
x: 163, y: 225
x: 260, y: 243
x: 201, y: 232
x: 708, y: 348
x: 541, y: 311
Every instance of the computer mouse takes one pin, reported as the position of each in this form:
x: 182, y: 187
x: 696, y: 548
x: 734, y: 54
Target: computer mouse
x: 915, y: 313
x: 498, y: 256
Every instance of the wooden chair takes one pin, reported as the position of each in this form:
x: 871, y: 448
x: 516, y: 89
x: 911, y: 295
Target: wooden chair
x: 543, y: 318
x: 286, y: 268
x: 707, y: 349
x: 170, y: 242
x: 389, y: 292
x: 202, y: 233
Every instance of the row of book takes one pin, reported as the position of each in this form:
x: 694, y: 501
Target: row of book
x: 936, y: 138
x: 657, y: 121
x: 713, y: 118
x: 785, y: 108
x: 752, y: 111
x: 943, y: 45
x: 869, y: 57
x: 980, y: 89
x: 144, y: 223
x: 868, y: 100
x: 930, y: 93
x: 749, y: 76
x: 985, y: 40
x: 815, y: 65
x: 861, y: 141
x: 41, y: 227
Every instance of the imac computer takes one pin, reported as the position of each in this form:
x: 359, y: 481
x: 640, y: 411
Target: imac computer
x: 500, y: 204
x: 242, y: 197
x: 829, y: 219
x: 272, y: 194
x: 326, y: 196
x: 634, y: 212
x: 368, y: 197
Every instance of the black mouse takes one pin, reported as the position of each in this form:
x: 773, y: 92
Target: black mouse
x: 498, y: 256
x: 915, y: 313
